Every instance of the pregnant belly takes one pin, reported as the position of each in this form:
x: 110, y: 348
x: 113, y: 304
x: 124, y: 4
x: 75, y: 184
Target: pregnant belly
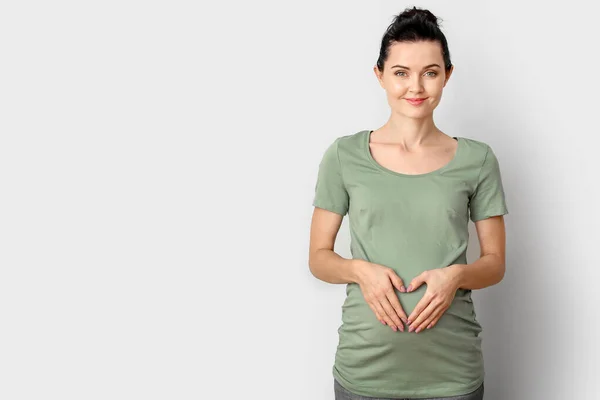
x: 360, y: 321
x: 369, y: 350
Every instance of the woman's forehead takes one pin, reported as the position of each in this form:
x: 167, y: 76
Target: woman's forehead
x: 416, y: 53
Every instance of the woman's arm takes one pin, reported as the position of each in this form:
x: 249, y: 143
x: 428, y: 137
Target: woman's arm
x: 324, y: 263
x: 489, y: 269
x: 376, y: 281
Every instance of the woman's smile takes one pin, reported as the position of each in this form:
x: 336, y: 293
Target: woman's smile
x: 416, y: 101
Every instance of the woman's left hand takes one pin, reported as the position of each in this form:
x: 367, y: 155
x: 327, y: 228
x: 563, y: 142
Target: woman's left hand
x: 442, y: 284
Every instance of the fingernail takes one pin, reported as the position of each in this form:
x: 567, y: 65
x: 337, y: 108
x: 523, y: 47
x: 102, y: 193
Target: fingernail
x: 383, y: 322
x: 411, y: 328
x: 402, y: 289
x: 394, y: 328
x: 409, y: 288
x: 417, y: 331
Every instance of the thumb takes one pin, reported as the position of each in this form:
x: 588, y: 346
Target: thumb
x: 396, y: 281
x: 416, y: 282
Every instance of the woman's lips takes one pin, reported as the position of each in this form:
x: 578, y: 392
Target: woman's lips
x: 416, y: 102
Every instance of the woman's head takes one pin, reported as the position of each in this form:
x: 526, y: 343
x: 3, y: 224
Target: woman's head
x: 414, y: 62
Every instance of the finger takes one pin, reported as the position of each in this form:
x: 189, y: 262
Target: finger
x: 436, y: 320
x: 417, y: 281
x: 428, y: 320
x: 382, y: 312
x: 395, y: 303
x: 435, y: 316
x: 397, y: 282
x: 377, y: 314
x: 417, y: 324
x: 421, y: 305
x: 385, y: 303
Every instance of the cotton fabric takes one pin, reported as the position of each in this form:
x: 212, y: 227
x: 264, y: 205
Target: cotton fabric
x: 410, y: 223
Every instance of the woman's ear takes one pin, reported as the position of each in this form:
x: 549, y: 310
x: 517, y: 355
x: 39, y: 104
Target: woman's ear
x: 448, y: 73
x: 378, y: 75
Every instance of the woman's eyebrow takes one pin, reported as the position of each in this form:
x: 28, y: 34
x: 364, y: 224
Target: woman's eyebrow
x: 427, y: 66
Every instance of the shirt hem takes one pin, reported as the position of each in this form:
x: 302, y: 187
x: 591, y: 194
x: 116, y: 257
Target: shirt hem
x: 489, y: 214
x: 424, y: 393
x: 338, y: 210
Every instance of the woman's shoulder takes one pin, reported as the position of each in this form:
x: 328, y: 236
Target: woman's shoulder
x: 474, y: 148
x: 351, y: 141
x: 478, y: 153
x: 351, y: 137
x: 476, y: 144
x: 348, y: 143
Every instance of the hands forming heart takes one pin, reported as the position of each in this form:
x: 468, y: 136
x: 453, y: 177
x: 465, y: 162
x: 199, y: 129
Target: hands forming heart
x: 377, y: 282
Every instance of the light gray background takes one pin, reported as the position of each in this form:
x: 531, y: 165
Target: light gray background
x: 158, y: 163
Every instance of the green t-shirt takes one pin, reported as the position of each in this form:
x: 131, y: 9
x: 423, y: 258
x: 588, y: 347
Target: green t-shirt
x: 410, y: 223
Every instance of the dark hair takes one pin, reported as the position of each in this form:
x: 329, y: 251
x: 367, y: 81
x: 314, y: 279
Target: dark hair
x: 413, y: 25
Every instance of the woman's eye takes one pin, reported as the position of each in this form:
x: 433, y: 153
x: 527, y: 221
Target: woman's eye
x: 433, y: 73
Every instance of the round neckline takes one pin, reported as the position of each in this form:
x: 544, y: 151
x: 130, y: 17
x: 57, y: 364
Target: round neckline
x: 389, y: 171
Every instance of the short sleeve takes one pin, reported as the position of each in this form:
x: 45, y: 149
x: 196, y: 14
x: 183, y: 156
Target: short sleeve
x: 488, y: 200
x: 330, y: 192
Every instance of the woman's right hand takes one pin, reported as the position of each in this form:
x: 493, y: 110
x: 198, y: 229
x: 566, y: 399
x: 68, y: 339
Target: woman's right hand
x: 377, y: 284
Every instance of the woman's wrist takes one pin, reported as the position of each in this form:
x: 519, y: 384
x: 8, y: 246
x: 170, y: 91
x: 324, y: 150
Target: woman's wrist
x: 356, y: 269
x: 457, y: 272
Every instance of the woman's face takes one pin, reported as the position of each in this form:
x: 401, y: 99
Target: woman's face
x: 409, y: 72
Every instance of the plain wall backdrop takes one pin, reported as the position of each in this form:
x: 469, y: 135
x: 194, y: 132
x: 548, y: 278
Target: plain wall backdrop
x: 158, y: 163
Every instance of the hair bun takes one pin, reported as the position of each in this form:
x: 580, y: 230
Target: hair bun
x: 413, y: 25
x: 417, y: 15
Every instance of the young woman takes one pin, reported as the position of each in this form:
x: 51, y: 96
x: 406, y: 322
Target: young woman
x: 409, y: 190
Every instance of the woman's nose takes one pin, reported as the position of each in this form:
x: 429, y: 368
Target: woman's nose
x: 416, y: 84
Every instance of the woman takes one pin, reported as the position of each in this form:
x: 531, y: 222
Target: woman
x: 409, y: 191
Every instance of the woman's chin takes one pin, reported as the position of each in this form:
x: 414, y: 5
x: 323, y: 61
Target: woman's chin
x: 416, y: 114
